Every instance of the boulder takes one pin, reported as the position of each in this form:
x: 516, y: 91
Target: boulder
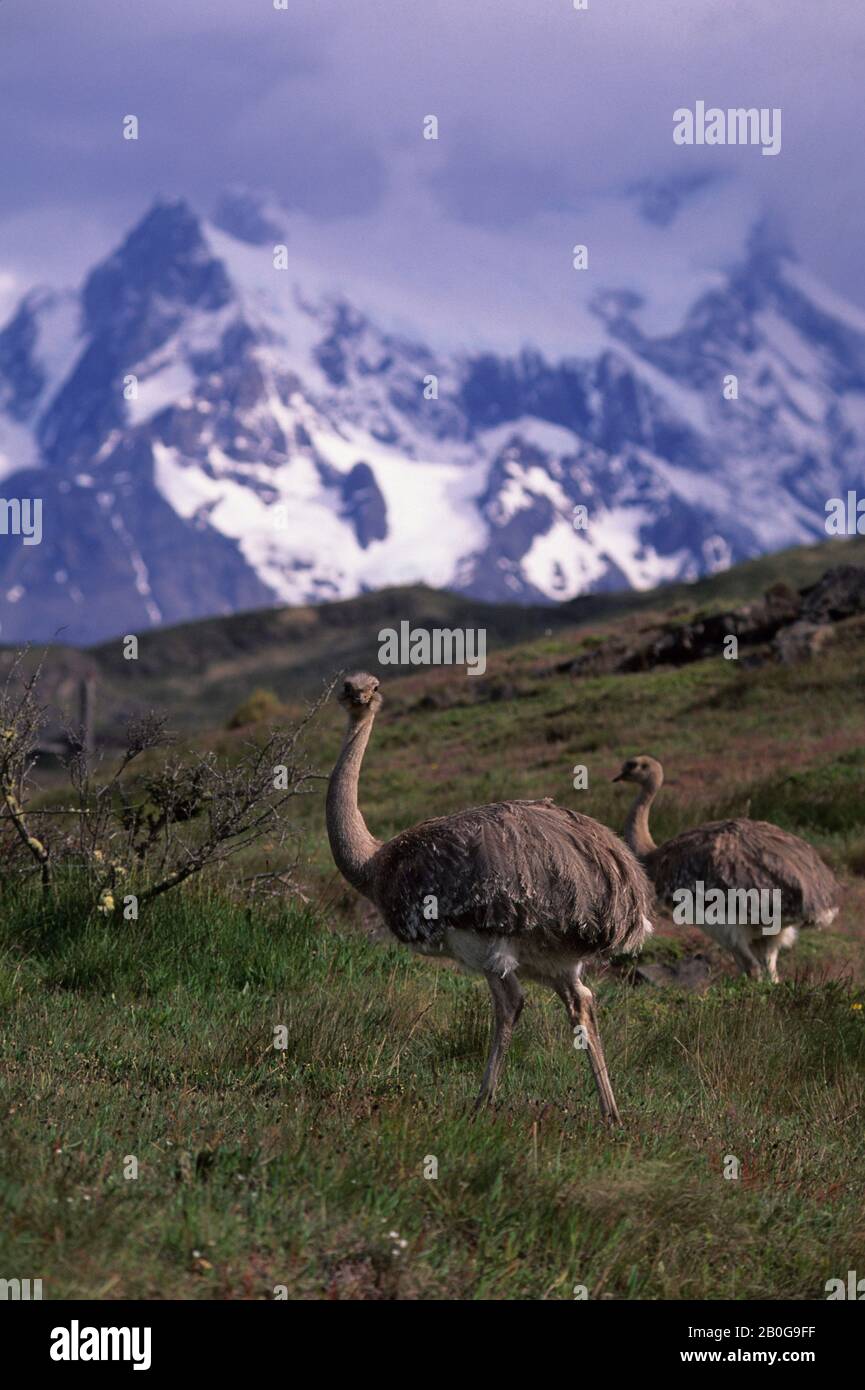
x: 839, y: 594
x: 801, y: 641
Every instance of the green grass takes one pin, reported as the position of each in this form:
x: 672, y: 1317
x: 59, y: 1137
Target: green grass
x: 291, y: 1167
x: 829, y: 798
x: 261, y: 1167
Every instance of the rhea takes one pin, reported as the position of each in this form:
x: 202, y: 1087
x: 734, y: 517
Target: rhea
x: 516, y: 889
x: 736, y: 856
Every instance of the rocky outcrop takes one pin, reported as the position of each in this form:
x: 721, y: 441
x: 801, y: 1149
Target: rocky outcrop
x: 800, y: 641
x: 789, y: 625
x: 839, y: 594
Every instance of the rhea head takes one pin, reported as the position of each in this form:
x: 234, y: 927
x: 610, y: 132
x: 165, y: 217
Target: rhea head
x: 359, y: 696
x: 646, y: 771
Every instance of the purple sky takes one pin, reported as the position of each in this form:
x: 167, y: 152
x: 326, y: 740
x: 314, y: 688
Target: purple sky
x: 548, y: 117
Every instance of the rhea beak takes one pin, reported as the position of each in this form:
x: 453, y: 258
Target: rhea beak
x: 619, y: 777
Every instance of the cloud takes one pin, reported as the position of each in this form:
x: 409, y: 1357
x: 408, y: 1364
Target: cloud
x: 10, y: 291
x: 413, y: 267
x: 545, y: 113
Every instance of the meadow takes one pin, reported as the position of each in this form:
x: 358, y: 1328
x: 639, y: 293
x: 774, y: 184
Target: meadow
x: 345, y: 1163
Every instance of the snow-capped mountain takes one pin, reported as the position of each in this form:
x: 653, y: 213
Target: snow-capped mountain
x: 207, y: 434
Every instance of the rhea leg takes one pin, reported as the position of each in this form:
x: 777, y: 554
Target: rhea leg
x: 768, y: 947
x: 746, y: 959
x: 507, y: 1006
x: 766, y: 950
x: 772, y: 962
x: 580, y: 1004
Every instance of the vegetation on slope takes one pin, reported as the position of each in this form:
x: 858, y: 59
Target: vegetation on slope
x: 304, y: 1166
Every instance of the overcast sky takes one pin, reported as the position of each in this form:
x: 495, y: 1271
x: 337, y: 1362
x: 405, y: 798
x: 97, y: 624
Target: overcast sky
x: 548, y: 117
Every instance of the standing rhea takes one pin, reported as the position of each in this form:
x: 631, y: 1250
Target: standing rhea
x: 738, y: 857
x: 515, y: 888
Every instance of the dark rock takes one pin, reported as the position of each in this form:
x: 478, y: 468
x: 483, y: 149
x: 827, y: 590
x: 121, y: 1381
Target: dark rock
x: 363, y: 502
x: 783, y: 602
x: 686, y: 642
x: 839, y: 594
x: 691, y: 972
x: 796, y: 624
x: 21, y: 377
x: 801, y: 641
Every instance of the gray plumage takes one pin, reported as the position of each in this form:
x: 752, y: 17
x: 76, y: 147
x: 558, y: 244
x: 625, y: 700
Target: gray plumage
x: 513, y: 868
x: 737, y: 857
x: 748, y: 854
x: 514, y: 888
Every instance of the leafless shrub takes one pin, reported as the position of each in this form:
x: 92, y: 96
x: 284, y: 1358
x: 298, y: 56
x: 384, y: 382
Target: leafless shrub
x: 147, y: 824
x: 22, y: 719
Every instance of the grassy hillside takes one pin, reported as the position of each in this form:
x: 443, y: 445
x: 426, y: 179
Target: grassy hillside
x: 261, y: 1167
x: 202, y: 671
x: 209, y: 667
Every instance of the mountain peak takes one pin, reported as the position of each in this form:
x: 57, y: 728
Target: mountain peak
x: 164, y: 255
x: 212, y: 439
x: 767, y: 248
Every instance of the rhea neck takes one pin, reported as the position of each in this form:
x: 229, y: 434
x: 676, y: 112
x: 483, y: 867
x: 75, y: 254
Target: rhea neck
x: 638, y: 836
x: 351, y: 843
